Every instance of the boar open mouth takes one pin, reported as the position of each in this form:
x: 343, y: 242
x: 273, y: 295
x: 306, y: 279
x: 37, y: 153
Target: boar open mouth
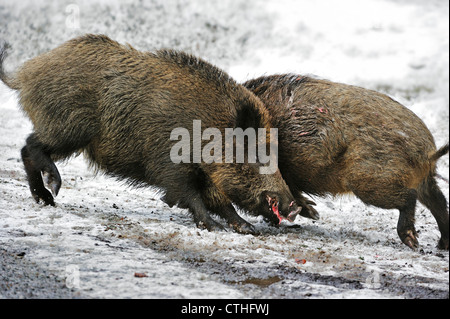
x: 273, y: 204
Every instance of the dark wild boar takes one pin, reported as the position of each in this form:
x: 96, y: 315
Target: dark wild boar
x: 336, y: 138
x: 119, y: 106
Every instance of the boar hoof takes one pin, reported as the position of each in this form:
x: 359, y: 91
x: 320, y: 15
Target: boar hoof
x: 409, y: 238
x: 210, y: 225
x: 44, y: 195
x: 308, y: 211
x: 53, y: 181
x: 244, y: 228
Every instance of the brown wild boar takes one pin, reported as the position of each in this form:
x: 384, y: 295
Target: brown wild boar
x: 119, y: 106
x: 336, y: 138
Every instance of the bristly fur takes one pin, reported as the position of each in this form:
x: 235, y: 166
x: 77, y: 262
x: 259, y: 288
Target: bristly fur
x: 199, y: 66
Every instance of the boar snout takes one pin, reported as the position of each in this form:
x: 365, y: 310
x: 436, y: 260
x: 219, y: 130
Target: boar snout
x: 277, y: 207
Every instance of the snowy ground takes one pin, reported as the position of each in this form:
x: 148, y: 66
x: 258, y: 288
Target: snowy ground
x: 102, y: 233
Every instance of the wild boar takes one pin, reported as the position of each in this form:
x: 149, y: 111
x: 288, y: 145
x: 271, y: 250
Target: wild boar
x: 336, y: 138
x: 120, y: 107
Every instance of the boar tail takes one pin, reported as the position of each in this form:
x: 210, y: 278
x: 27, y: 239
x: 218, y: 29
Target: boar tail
x: 439, y: 153
x: 8, y: 80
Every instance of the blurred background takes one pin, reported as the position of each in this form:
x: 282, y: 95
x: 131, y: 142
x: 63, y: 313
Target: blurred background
x: 349, y: 40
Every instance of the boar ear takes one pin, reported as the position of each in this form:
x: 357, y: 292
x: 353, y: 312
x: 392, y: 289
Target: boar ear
x: 248, y: 115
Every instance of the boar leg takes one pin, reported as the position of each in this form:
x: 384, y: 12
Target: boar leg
x: 432, y: 197
x: 201, y: 216
x: 389, y: 198
x: 195, y: 204
x: 37, y: 160
x: 405, y: 227
x: 219, y: 204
